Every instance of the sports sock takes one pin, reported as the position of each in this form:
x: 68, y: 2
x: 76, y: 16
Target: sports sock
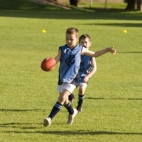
x: 71, y: 97
x: 69, y: 108
x: 56, y: 108
x: 80, y: 100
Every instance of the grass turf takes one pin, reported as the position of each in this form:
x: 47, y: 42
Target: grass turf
x: 112, y: 107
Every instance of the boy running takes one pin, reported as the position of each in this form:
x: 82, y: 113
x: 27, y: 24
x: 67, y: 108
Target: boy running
x: 69, y: 56
x: 87, y: 69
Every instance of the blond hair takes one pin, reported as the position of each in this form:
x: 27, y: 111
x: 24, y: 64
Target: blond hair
x: 72, y: 30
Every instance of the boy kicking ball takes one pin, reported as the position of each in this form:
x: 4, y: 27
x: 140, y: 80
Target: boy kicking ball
x: 69, y: 56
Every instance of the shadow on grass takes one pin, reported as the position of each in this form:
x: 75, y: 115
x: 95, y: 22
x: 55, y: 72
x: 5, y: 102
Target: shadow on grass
x: 131, y: 52
x: 91, y: 98
x: 31, y: 128
x: 26, y: 9
x: 75, y: 14
x: 78, y: 132
x: 18, y: 125
x: 81, y: 132
x: 137, y: 25
x: 21, y: 110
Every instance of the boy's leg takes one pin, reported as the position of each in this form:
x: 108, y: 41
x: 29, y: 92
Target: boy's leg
x: 71, y: 97
x: 81, y: 96
x: 56, y: 108
x: 72, y: 111
x: 80, y: 102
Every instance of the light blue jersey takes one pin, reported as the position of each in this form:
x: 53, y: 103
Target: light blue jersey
x: 85, y: 67
x: 69, y: 63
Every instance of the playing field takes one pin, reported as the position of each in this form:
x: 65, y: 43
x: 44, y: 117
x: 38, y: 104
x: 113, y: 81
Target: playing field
x: 112, y: 110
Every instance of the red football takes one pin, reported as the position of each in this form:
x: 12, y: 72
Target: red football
x: 48, y: 64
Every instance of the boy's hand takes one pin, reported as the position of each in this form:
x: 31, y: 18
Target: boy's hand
x: 86, y: 79
x: 112, y: 50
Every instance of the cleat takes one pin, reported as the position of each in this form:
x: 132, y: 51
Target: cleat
x: 47, y: 122
x: 79, y: 109
x: 71, y: 117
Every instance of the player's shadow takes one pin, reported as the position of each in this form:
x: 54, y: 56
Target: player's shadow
x: 30, y: 128
x: 93, y: 98
x: 18, y: 125
x: 78, y: 132
x: 116, y: 24
x: 88, y: 132
x: 131, y: 52
x: 20, y: 110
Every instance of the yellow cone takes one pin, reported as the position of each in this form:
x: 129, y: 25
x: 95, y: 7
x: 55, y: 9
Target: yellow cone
x: 124, y: 31
x: 43, y: 31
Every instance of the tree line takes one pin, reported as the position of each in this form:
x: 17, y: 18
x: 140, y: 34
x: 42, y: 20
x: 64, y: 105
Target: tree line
x: 130, y: 4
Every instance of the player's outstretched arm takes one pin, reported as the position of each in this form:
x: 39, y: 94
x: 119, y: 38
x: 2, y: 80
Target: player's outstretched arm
x: 101, y: 52
x: 98, y: 53
x: 112, y: 50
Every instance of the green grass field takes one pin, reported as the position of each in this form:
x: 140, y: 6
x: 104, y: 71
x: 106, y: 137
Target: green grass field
x: 112, y: 110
